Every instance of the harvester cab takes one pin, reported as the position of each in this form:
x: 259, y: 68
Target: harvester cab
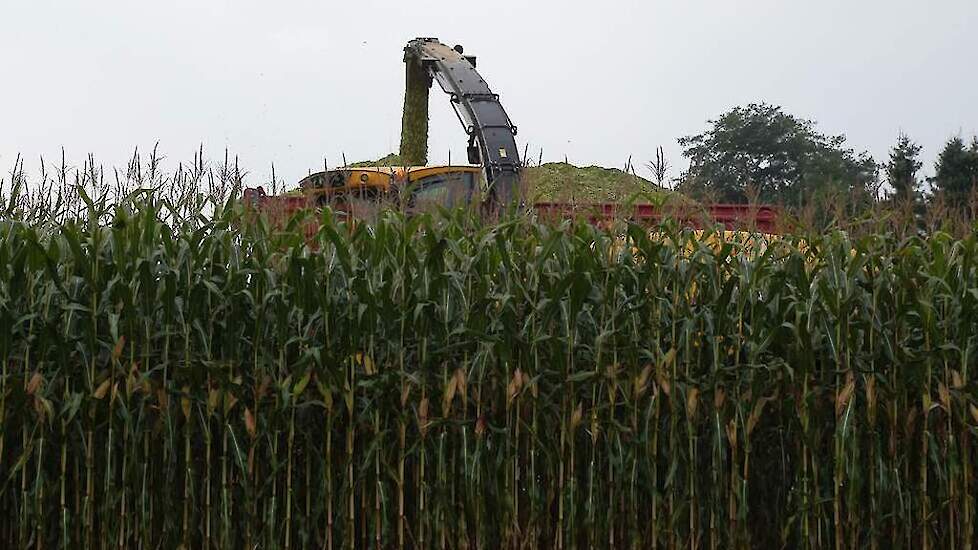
x: 411, y: 187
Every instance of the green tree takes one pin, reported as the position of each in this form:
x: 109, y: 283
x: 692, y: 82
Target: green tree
x: 956, y: 170
x: 901, y: 170
x: 781, y: 158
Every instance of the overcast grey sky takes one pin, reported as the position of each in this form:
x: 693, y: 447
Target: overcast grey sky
x: 291, y: 82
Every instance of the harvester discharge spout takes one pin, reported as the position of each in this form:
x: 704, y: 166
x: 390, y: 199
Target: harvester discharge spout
x: 492, y: 135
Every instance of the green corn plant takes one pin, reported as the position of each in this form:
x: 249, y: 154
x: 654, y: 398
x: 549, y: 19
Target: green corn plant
x: 175, y: 371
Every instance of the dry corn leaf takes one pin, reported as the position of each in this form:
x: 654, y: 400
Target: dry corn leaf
x: 34, y: 383
x: 405, y: 392
x: 213, y: 398
x: 461, y: 383
x: 974, y: 412
x: 663, y: 382
x: 911, y: 421
x: 945, y: 395
x: 871, y: 392
x: 732, y: 432
x: 185, y: 402
x: 450, y: 388
x: 263, y: 387
x: 662, y: 375
x: 668, y: 359
x: 423, y: 416
x: 514, y: 386
x: 229, y: 401
x: 871, y: 398
x: 957, y: 381
x: 692, y: 399
x: 755, y: 414
x: 249, y: 420
x: 577, y: 416
x: 642, y: 381
x: 163, y: 399
x: 43, y: 408
x: 480, y: 425
x: 102, y: 389
x: 843, y: 397
x: 595, y: 429
x: 529, y: 384
x: 117, y: 350
x: 719, y: 397
x: 367, y: 362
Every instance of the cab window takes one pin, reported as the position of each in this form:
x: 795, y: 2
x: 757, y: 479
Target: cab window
x: 448, y: 190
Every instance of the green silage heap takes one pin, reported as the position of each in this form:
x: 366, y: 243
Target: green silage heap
x: 392, y: 159
x: 564, y: 182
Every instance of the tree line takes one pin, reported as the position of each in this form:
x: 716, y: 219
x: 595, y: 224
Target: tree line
x: 761, y: 153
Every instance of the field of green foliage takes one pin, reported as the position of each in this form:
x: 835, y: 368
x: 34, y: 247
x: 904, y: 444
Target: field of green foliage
x: 175, y: 374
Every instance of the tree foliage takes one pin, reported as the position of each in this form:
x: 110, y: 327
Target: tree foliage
x: 761, y: 149
x: 902, y: 168
x: 956, y: 169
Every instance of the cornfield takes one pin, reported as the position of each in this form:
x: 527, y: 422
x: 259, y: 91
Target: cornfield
x: 440, y: 381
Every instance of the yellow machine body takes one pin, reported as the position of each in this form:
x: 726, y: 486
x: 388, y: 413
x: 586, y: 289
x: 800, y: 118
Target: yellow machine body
x: 443, y: 185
